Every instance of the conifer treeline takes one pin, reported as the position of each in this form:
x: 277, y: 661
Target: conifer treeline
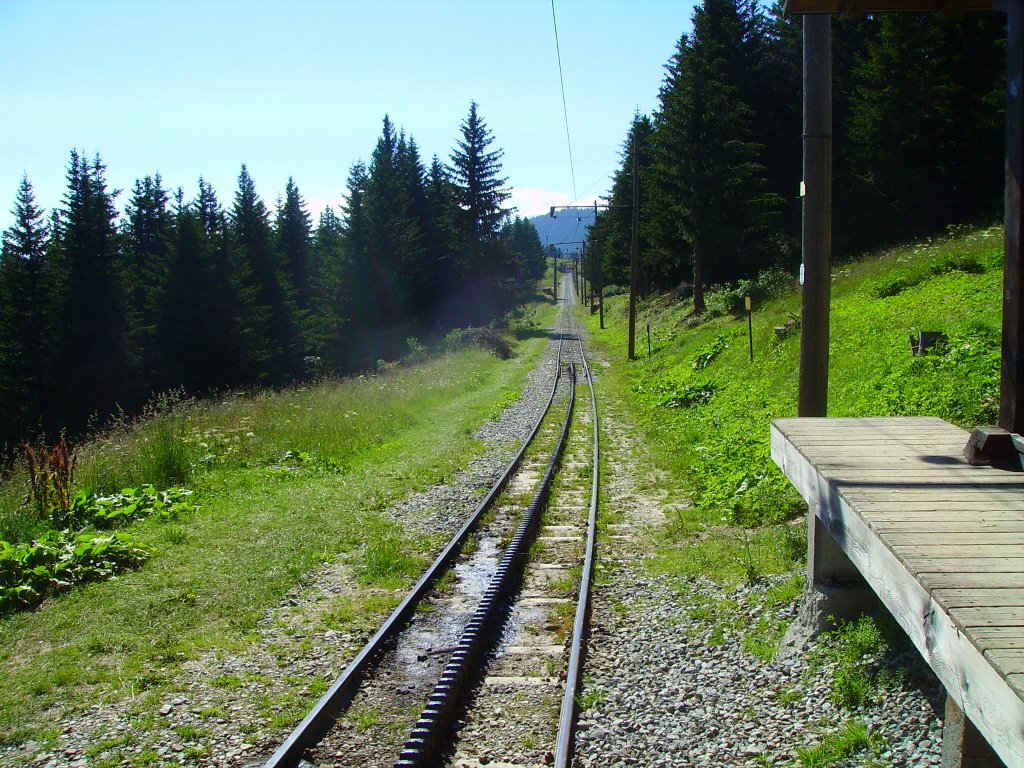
x: 917, y: 142
x: 99, y: 311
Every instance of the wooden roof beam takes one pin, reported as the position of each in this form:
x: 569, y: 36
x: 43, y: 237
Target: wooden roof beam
x: 856, y: 9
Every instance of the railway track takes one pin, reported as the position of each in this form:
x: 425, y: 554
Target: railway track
x: 481, y: 661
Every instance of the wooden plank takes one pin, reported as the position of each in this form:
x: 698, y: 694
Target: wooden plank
x: 958, y: 579
x: 935, y: 495
x: 1017, y: 683
x: 988, y: 616
x: 1009, y: 660
x: 965, y: 597
x: 974, y: 505
x: 955, y: 539
x: 895, y: 427
x: 968, y: 564
x: 989, y: 638
x: 914, y: 479
x: 952, y: 474
x: 998, y: 517
x: 973, y: 532
x: 985, y: 552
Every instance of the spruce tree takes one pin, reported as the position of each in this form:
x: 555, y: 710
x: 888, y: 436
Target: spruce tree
x: 269, y: 329
x: 441, y: 235
x: 484, y: 271
x: 22, y: 314
x: 477, y: 170
x: 708, y: 159
x: 293, y: 235
x: 926, y: 123
x: 149, y: 234
x: 87, y: 331
x: 364, y: 310
x: 418, y: 270
x: 393, y: 236
x: 196, y: 330
x: 332, y: 297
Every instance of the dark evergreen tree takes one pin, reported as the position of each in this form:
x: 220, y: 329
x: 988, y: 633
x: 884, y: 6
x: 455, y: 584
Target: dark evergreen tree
x: 364, y: 311
x: 332, y: 297
x: 614, y: 227
x: 268, y: 328
x: 708, y: 158
x: 196, y: 328
x: 392, y: 238
x: 524, y: 243
x: 293, y: 236
x: 149, y: 234
x: 777, y: 102
x: 87, y: 319
x: 480, y: 190
x: 441, y: 233
x: 926, y: 120
x: 484, y: 276
x: 22, y: 318
x: 419, y: 268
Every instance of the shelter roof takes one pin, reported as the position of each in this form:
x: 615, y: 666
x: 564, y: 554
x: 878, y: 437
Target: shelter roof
x: 853, y: 9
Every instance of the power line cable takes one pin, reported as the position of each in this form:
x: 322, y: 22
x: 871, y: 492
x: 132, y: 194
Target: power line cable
x: 565, y: 111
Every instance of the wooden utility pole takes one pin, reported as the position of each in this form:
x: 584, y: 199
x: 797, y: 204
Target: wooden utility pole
x: 1011, y: 396
x: 816, y: 244
x: 634, y: 251
x: 596, y: 256
x: 554, y: 286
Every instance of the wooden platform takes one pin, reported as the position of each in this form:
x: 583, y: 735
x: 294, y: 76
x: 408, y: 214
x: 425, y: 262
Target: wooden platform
x: 939, y: 541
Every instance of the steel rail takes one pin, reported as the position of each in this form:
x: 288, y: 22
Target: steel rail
x: 434, y: 724
x: 565, y: 744
x: 323, y: 715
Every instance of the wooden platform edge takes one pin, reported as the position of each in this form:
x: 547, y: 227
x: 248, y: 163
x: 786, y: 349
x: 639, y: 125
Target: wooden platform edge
x: 987, y: 699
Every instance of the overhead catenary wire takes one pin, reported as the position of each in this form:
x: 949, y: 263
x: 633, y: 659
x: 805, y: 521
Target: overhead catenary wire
x: 565, y: 111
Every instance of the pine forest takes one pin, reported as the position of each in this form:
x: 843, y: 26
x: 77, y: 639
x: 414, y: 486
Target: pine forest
x: 99, y: 312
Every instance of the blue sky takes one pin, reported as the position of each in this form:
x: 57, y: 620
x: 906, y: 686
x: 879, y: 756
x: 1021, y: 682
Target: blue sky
x: 299, y: 88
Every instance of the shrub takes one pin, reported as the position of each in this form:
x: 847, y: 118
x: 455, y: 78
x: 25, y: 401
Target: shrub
x: 615, y: 290
x: 481, y: 338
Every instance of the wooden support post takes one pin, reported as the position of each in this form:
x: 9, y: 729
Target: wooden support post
x: 817, y: 215
x: 1011, y: 394
x: 962, y: 745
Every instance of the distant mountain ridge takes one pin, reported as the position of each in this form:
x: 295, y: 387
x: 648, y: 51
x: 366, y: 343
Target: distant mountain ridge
x: 566, y: 228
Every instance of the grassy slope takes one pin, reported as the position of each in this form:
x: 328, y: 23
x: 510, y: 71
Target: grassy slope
x: 261, y: 524
x: 718, y: 451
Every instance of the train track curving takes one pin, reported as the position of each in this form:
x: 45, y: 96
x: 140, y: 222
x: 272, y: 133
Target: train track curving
x: 481, y: 662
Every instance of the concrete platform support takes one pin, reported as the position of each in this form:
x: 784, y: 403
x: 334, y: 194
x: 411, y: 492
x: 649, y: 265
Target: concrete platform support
x: 835, y: 589
x: 962, y: 745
